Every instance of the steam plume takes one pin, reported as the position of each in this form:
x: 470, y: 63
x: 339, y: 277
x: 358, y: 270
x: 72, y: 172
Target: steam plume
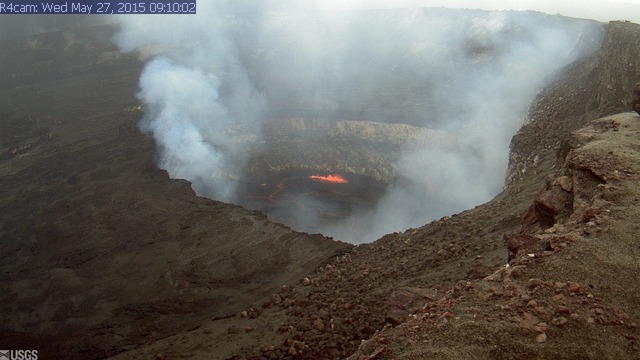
x: 195, y: 90
x: 470, y: 73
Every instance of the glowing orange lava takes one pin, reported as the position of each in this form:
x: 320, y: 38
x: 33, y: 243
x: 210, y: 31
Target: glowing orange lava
x: 331, y: 178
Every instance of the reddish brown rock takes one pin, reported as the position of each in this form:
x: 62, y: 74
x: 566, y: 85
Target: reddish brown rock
x: 559, y: 321
x: 573, y: 286
x: 551, y: 202
x: 522, y: 242
x: 405, y: 300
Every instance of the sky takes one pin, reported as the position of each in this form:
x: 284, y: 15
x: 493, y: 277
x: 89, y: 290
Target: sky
x: 601, y: 10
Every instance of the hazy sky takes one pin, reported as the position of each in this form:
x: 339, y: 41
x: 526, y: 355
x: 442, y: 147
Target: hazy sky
x: 602, y: 10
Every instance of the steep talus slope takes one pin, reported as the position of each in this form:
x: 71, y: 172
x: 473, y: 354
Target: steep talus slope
x: 99, y: 250
x: 569, y: 291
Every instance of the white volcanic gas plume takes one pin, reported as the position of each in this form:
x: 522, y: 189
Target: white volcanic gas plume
x: 470, y: 73
x: 194, y: 90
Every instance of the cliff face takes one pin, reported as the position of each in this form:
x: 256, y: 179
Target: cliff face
x: 589, y: 89
x: 365, y: 148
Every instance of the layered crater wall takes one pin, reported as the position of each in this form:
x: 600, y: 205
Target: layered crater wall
x: 364, y: 148
x: 329, y: 170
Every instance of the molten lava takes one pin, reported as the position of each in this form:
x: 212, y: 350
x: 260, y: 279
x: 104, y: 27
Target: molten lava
x: 331, y: 178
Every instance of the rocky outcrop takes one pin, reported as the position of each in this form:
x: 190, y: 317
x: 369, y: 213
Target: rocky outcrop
x: 553, y: 200
x: 571, y: 198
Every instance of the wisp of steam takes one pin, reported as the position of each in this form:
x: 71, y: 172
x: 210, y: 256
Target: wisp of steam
x: 470, y: 73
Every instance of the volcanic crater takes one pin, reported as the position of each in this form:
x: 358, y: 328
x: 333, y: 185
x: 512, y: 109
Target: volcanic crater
x: 104, y: 254
x: 312, y: 172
